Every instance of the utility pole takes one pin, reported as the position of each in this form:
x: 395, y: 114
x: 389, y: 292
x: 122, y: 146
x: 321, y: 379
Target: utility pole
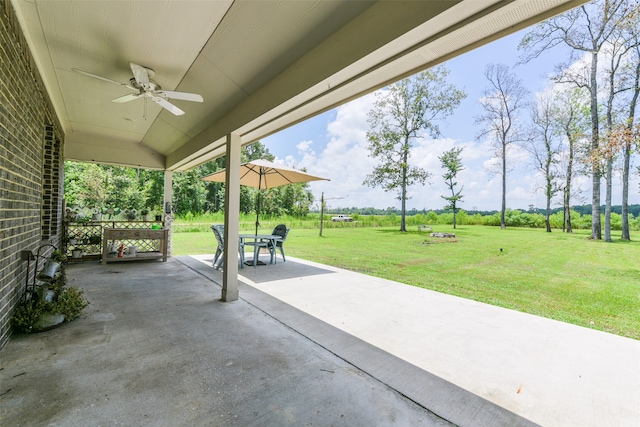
x: 322, y: 208
x: 321, y: 212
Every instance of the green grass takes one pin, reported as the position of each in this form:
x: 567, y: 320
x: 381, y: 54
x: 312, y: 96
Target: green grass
x: 560, y: 276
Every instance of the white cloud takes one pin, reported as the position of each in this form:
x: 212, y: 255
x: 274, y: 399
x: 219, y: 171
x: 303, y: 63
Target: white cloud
x: 304, y: 147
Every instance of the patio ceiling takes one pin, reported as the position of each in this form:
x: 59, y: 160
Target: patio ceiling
x: 261, y: 66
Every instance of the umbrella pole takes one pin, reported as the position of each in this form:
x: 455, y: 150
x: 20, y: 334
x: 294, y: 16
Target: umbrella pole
x: 258, y: 212
x: 258, y: 204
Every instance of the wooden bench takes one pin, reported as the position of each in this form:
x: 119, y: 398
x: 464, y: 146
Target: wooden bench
x: 422, y: 228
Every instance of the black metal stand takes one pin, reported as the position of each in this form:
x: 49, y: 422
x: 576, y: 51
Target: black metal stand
x: 30, y: 256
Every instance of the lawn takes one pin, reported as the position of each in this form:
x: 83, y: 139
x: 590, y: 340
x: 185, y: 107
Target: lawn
x: 560, y: 276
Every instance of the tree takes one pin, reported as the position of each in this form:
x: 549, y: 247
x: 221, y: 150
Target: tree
x: 626, y: 138
x: 292, y: 199
x: 94, y: 186
x: 544, y: 149
x: 620, y: 78
x: 501, y: 102
x: 73, y: 183
x: 401, y: 114
x: 214, y: 191
x: 630, y: 26
x: 570, y: 117
x: 152, y: 185
x: 632, y: 133
x: 452, y: 163
x: 94, y: 194
x: 585, y: 30
x: 188, y: 192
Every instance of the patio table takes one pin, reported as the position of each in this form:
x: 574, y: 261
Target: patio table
x: 259, y: 241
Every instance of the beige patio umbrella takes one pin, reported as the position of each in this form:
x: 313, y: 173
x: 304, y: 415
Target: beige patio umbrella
x: 263, y: 174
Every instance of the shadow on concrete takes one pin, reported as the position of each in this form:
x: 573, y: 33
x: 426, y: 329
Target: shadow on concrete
x: 291, y: 269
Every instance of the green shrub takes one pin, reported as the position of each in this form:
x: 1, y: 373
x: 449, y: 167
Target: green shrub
x: 70, y: 302
x: 26, y: 315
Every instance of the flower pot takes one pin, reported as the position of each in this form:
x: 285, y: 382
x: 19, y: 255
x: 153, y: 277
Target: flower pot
x: 49, y: 271
x: 147, y: 217
x: 76, y: 253
x: 97, y: 217
x: 158, y: 217
x: 48, y: 321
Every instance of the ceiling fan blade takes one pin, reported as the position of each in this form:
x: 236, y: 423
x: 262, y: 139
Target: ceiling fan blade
x: 184, y: 96
x: 140, y: 74
x: 95, y: 76
x: 167, y: 105
x: 127, y: 98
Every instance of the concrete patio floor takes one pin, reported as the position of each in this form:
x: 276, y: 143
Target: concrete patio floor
x: 549, y: 372
x: 306, y: 344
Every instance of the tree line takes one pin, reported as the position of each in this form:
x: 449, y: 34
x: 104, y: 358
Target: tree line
x: 517, y: 218
x: 115, y: 190
x: 634, y: 210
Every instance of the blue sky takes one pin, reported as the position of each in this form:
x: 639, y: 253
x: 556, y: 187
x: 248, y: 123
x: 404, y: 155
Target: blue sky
x: 333, y: 145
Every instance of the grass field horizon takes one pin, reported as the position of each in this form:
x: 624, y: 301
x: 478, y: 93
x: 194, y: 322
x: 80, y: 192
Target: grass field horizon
x: 567, y: 277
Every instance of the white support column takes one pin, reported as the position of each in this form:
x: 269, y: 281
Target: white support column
x: 231, y: 219
x: 168, y: 208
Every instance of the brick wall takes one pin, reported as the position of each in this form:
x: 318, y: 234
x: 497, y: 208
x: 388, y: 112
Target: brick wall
x: 31, y: 165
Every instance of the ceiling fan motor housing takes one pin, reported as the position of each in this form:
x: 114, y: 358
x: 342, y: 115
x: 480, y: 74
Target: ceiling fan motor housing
x: 153, y: 86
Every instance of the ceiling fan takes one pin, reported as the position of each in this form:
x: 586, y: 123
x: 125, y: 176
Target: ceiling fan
x: 145, y: 87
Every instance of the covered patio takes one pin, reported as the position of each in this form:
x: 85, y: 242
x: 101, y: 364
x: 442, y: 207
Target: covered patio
x: 307, y: 344
x: 302, y: 344
x: 257, y: 66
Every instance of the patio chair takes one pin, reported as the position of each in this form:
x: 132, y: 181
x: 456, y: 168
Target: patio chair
x: 282, y: 231
x: 218, y: 231
x: 220, y: 247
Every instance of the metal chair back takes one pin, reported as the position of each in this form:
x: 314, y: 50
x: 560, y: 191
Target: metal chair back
x: 218, y: 231
x: 282, y: 231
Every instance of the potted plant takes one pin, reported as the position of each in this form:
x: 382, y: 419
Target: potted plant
x: 97, y: 214
x: 51, y: 266
x: 48, y: 305
x: 69, y: 242
x: 39, y: 313
x: 83, y: 219
x: 130, y: 214
x: 145, y: 214
x: 76, y: 252
x: 71, y: 215
x: 110, y: 211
